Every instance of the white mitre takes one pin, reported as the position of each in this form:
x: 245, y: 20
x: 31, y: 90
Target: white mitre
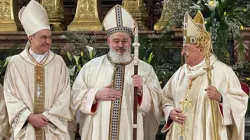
x: 118, y: 19
x: 33, y: 18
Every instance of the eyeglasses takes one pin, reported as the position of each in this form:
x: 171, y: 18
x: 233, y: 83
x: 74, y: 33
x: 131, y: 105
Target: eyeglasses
x: 188, y: 48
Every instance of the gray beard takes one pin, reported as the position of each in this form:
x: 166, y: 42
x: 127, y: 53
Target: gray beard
x: 116, y: 58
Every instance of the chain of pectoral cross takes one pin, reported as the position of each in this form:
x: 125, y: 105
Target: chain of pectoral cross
x: 185, y: 103
x: 38, y: 90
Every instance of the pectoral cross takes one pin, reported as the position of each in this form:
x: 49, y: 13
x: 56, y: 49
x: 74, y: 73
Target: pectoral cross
x: 185, y: 103
x: 38, y: 89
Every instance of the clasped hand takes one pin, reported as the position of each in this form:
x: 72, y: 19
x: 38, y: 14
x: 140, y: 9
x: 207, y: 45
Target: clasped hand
x: 38, y: 120
x: 177, y: 116
x: 109, y: 94
x: 213, y: 93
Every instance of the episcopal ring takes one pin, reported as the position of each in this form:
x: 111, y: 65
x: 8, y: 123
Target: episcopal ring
x: 177, y: 118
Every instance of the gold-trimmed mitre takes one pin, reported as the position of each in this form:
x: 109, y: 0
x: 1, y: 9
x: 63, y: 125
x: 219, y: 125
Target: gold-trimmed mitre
x: 118, y: 19
x: 194, y: 32
x: 33, y: 18
x: 192, y: 27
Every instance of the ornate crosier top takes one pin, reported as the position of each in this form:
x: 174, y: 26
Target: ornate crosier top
x: 204, y: 41
x: 136, y: 44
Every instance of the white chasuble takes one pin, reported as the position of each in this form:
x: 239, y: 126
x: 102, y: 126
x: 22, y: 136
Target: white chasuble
x: 4, y: 123
x: 192, y: 81
x: 112, y: 120
x: 38, y: 88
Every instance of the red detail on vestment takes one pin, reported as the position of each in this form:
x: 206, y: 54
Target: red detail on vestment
x: 169, y: 123
x: 94, y: 107
x: 221, y: 109
x: 245, y: 87
x: 139, y: 99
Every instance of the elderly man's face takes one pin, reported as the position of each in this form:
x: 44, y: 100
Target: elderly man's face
x: 119, y: 42
x: 41, y: 41
x: 192, y: 54
x: 120, y: 47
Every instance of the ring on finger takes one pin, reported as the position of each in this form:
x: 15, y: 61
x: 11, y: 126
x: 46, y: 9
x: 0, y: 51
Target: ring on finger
x: 176, y: 118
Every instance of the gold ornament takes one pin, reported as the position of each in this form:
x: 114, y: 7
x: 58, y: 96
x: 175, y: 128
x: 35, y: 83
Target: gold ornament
x: 7, y: 22
x: 55, y: 12
x: 86, y: 17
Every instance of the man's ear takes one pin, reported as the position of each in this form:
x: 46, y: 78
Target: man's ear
x: 30, y: 38
x: 108, y: 40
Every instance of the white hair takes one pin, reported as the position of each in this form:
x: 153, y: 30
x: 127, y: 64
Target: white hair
x: 118, y: 58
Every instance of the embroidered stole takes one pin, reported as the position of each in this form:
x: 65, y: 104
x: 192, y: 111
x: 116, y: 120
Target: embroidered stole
x: 118, y: 82
x: 39, y: 93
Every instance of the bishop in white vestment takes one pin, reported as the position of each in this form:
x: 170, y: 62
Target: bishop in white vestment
x: 188, y: 94
x: 36, y: 83
x: 103, y: 91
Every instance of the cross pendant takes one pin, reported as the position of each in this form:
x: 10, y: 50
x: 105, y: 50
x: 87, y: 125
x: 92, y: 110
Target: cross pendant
x: 38, y: 89
x: 185, y: 103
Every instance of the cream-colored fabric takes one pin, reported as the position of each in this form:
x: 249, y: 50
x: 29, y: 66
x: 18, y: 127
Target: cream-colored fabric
x: 19, y: 91
x: 97, y: 74
x: 150, y: 125
x: 33, y: 18
x: 231, y: 121
x: 4, y: 124
x: 118, y: 19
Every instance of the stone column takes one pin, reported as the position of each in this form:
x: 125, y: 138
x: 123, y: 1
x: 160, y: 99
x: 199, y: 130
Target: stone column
x: 55, y: 12
x: 86, y: 17
x: 7, y: 22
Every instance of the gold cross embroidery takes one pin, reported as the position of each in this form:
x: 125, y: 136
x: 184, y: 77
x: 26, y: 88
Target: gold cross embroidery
x: 185, y: 103
x: 187, y: 100
x: 38, y: 90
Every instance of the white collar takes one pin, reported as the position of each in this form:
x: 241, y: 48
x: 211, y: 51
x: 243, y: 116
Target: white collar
x: 38, y: 58
x: 198, y: 70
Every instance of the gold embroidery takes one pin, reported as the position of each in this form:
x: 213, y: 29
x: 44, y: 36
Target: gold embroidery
x: 39, y: 97
x: 39, y: 92
x: 185, y: 104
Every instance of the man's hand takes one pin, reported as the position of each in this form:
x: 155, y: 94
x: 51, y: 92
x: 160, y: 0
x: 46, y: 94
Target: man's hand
x: 213, y: 93
x: 38, y: 120
x: 177, y: 116
x: 137, y: 81
x: 107, y: 94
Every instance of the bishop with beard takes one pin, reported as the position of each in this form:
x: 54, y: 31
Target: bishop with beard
x: 103, y: 91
